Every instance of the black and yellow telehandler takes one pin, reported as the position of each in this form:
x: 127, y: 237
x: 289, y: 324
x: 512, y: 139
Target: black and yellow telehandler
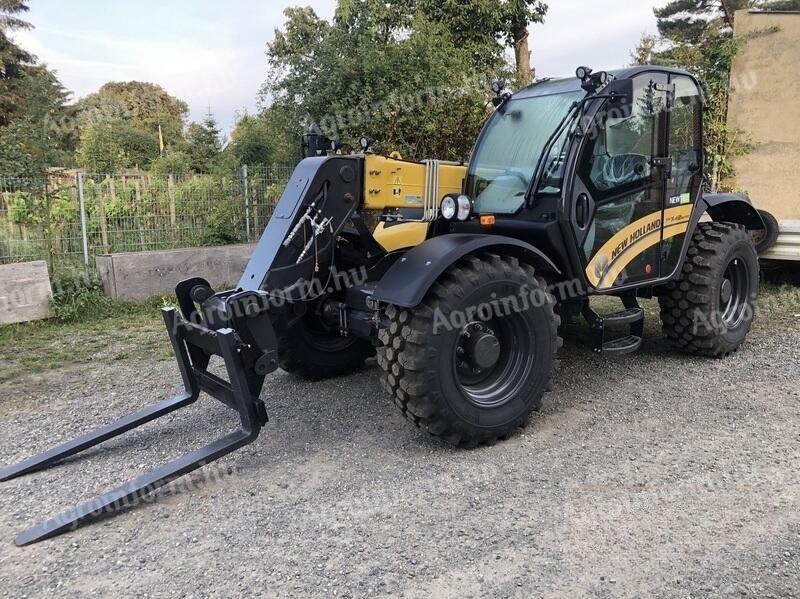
x: 457, y: 275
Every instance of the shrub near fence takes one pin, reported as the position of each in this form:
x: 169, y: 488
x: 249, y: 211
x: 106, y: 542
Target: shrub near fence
x: 70, y: 217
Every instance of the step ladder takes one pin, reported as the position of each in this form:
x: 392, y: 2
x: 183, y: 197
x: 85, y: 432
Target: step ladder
x: 603, y: 326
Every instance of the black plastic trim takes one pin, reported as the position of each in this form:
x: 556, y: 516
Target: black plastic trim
x: 409, y: 278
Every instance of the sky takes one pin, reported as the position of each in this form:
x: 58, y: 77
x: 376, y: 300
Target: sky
x: 212, y: 54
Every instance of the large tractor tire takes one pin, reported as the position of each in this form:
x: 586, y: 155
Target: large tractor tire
x: 473, y: 360
x: 708, y: 311
x: 312, y: 350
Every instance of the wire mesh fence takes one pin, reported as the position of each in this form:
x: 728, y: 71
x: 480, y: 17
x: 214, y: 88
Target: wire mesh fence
x: 69, y: 218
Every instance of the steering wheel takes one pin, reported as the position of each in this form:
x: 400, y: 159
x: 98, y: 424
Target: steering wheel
x: 519, y: 175
x: 624, y: 168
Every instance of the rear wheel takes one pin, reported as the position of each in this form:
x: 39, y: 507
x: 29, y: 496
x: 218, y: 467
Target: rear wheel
x: 709, y: 310
x: 473, y: 360
x: 313, y: 350
x: 765, y: 239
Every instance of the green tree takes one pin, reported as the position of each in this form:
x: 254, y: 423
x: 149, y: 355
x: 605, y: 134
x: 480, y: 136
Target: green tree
x: 484, y: 28
x: 36, y: 125
x: 119, y: 126
x: 43, y: 134
x: 517, y: 16
x: 251, y: 141
x: 146, y: 105
x: 203, y: 144
x: 174, y: 162
x: 398, y: 77
x: 108, y: 145
x: 13, y: 59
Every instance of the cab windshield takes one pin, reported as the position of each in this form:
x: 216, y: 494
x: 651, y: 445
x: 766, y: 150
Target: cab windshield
x: 504, y: 162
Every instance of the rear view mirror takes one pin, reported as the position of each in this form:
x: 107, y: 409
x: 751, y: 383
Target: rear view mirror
x: 620, y: 103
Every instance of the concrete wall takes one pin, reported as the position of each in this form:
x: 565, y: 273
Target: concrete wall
x: 25, y: 292
x: 140, y: 275
x: 765, y: 105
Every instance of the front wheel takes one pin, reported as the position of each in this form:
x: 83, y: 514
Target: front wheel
x: 313, y: 350
x: 473, y: 360
x: 709, y: 310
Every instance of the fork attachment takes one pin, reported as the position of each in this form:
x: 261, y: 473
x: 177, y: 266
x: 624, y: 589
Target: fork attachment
x: 243, y: 337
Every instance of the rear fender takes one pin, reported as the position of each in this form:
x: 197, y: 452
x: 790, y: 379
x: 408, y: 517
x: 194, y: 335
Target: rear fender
x: 729, y: 208
x: 409, y: 278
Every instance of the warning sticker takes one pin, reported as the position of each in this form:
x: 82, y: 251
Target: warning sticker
x: 397, y: 185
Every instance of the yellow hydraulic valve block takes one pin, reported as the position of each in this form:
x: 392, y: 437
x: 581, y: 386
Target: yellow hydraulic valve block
x: 393, y: 184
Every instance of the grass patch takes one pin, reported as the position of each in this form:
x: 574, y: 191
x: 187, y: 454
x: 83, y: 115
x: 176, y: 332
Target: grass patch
x: 118, y: 331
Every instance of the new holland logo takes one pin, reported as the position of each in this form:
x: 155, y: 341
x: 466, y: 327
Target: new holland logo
x: 638, y: 234
x: 609, y: 263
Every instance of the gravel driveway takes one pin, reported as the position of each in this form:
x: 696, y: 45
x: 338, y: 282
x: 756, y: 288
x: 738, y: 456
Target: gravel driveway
x: 651, y: 475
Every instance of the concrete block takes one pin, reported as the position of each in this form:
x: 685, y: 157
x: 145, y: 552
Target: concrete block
x: 25, y: 292
x: 141, y: 275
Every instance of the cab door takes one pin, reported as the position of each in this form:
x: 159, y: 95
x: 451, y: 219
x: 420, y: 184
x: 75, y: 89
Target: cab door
x: 620, y: 191
x: 685, y: 177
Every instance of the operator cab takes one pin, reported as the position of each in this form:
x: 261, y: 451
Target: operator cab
x: 601, y: 170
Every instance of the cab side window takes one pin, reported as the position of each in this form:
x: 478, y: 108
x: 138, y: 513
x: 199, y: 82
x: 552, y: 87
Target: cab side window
x: 624, y: 144
x: 686, y: 139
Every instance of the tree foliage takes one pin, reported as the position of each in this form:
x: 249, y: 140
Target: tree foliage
x: 145, y: 105
x: 119, y: 125
x: 485, y: 27
x: 203, y: 144
x: 376, y: 70
x: 13, y: 60
x: 252, y: 141
x: 109, y: 145
x: 42, y: 134
x: 35, y: 123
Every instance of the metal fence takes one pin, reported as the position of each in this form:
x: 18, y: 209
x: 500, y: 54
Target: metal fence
x: 69, y: 218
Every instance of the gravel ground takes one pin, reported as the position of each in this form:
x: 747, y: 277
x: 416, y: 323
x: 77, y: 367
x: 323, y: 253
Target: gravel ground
x: 652, y: 475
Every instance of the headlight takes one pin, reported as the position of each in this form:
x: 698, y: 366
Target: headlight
x: 449, y: 208
x: 464, y: 207
x: 583, y: 73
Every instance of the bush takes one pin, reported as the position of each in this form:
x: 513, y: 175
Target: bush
x: 75, y: 297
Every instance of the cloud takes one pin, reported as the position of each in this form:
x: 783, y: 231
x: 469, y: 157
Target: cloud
x: 211, y: 54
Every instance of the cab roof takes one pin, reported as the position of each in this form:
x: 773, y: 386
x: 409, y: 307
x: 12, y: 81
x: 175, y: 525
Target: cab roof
x: 547, y: 87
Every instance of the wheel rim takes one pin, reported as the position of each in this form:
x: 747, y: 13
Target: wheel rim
x: 734, y: 293
x: 491, y: 360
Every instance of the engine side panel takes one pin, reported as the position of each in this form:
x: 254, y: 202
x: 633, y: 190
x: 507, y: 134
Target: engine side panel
x: 393, y: 184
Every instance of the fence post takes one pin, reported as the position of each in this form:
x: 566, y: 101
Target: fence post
x: 246, y: 202
x: 173, y: 219
x: 101, y: 212
x: 137, y: 188
x: 84, y: 234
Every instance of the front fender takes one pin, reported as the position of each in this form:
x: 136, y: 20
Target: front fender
x: 409, y: 278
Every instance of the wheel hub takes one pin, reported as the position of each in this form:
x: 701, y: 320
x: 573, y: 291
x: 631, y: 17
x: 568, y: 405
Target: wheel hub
x: 478, y: 349
x: 726, y: 291
x: 483, y: 350
x: 734, y: 293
